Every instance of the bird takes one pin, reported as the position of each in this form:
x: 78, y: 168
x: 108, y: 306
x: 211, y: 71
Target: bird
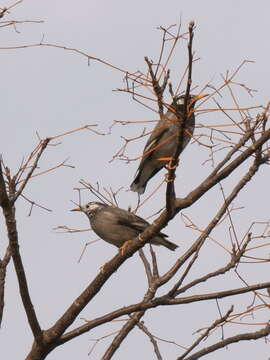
x: 163, y: 141
x: 117, y: 226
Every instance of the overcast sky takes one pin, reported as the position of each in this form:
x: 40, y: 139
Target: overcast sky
x: 49, y: 91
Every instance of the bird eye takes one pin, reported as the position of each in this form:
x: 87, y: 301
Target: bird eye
x: 87, y: 206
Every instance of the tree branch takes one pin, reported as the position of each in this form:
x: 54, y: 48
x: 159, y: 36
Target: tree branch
x: 9, y: 214
x: 206, y: 333
x: 130, y: 324
x: 141, y: 325
x: 43, y: 145
x: 209, y: 182
x: 3, y: 268
x: 233, y: 339
x: 163, y: 300
x: 4, y: 200
x: 182, y: 118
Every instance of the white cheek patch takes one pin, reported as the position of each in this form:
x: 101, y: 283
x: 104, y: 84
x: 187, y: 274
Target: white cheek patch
x: 181, y: 101
x: 93, y: 207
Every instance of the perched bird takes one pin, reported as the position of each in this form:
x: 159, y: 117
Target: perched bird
x: 163, y: 141
x: 116, y: 226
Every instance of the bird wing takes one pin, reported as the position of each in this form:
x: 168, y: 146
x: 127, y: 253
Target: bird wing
x: 156, y: 135
x: 129, y: 219
x: 153, y: 141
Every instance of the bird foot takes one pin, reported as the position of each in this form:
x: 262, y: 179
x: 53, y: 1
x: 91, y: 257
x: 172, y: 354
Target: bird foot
x: 169, y: 160
x: 170, y: 166
x: 124, y: 247
x: 169, y: 180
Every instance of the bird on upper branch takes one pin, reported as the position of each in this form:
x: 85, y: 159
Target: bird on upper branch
x: 163, y: 141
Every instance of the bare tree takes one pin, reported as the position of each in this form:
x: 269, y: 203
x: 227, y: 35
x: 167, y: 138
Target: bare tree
x: 243, y: 150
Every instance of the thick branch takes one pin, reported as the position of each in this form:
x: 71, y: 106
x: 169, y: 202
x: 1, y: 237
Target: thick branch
x: 9, y: 214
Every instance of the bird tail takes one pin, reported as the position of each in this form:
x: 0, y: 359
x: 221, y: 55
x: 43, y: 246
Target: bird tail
x: 168, y: 244
x: 137, y: 185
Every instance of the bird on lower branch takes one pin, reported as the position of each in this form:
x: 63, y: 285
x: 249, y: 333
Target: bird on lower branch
x: 117, y: 226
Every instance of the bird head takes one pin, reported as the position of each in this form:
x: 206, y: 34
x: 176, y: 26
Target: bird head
x: 90, y: 208
x: 180, y: 100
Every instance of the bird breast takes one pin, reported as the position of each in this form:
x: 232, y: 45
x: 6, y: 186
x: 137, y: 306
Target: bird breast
x: 105, y: 224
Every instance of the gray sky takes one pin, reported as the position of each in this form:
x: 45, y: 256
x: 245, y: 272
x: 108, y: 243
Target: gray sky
x: 50, y: 91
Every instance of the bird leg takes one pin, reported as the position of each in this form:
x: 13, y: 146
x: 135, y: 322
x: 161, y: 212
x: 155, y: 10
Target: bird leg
x: 169, y: 180
x: 124, y: 247
x: 170, y: 165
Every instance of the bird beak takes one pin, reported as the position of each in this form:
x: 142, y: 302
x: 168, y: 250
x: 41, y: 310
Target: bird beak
x: 76, y: 209
x: 200, y: 96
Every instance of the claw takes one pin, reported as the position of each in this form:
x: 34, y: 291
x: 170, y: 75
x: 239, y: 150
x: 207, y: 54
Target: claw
x: 169, y: 165
x: 124, y: 247
x: 169, y: 180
